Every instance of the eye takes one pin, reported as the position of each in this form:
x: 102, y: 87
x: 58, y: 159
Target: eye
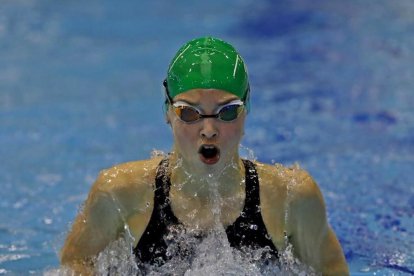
x: 230, y: 112
x: 187, y: 113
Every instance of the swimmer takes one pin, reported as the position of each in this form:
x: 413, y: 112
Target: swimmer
x: 206, y: 104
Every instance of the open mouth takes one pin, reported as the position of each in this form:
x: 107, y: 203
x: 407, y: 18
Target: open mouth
x: 209, y: 154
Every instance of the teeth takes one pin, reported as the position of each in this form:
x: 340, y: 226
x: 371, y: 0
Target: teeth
x: 207, y: 147
x: 208, y: 151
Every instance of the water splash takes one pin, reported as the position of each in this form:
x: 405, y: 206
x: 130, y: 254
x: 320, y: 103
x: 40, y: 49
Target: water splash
x: 290, y: 265
x: 158, y: 153
x: 193, y: 252
x: 117, y: 259
x: 247, y: 153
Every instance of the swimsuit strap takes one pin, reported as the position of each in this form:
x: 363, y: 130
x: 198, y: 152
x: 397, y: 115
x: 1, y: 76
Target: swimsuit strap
x: 151, y: 247
x: 249, y: 229
x: 252, y: 201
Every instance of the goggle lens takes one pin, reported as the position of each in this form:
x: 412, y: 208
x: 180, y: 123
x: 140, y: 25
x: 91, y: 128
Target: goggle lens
x: 187, y: 114
x: 230, y: 112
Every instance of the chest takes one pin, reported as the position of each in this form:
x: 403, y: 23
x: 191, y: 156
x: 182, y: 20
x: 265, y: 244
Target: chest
x: 205, y: 213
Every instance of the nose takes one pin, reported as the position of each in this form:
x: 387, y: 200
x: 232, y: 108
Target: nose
x: 208, y: 129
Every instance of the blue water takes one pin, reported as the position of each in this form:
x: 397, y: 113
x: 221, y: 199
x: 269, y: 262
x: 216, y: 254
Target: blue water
x: 332, y: 81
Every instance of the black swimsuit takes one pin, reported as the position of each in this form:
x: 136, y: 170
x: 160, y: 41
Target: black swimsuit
x: 248, y: 230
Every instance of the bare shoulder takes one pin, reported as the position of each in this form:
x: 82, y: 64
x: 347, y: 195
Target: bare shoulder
x: 273, y: 199
x: 124, y: 175
x: 271, y: 179
x: 294, y: 180
x: 131, y: 184
x: 287, y: 195
x: 304, y: 192
x: 293, y: 205
x: 120, y: 193
x: 304, y: 201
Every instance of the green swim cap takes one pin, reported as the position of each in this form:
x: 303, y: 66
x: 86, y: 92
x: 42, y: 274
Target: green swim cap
x: 207, y: 62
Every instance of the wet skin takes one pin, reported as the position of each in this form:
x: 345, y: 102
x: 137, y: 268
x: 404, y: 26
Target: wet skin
x: 291, y: 202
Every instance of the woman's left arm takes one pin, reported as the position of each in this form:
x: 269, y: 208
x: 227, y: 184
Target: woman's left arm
x: 314, y: 241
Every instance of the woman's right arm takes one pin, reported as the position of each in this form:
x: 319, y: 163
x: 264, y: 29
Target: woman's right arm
x: 97, y: 224
x: 121, y: 196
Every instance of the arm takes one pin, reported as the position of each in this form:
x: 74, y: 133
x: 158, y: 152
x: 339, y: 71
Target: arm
x: 313, y: 240
x: 95, y: 227
x: 121, y: 196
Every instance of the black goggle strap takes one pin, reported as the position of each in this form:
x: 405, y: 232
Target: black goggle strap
x: 168, y: 100
x: 167, y: 93
x: 246, y: 99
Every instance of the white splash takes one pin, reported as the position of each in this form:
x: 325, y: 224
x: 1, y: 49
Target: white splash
x: 192, y: 252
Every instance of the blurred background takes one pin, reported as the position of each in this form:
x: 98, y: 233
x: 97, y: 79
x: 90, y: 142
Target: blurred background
x: 332, y: 81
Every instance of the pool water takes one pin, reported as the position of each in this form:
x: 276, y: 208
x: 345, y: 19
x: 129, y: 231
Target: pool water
x: 80, y: 90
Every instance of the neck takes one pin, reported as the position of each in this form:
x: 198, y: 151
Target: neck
x: 210, y: 182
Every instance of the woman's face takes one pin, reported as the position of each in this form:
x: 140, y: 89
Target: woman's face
x: 208, y: 143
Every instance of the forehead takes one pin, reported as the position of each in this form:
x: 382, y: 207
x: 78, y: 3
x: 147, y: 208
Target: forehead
x: 205, y: 96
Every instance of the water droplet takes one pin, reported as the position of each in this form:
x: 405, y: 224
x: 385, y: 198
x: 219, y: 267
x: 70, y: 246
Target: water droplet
x: 47, y: 221
x: 253, y: 226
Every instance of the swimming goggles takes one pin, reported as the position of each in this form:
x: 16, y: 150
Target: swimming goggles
x: 190, y: 114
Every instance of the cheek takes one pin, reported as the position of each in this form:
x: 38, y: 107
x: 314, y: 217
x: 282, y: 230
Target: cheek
x: 232, y: 134
x: 183, y: 134
x: 236, y: 133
